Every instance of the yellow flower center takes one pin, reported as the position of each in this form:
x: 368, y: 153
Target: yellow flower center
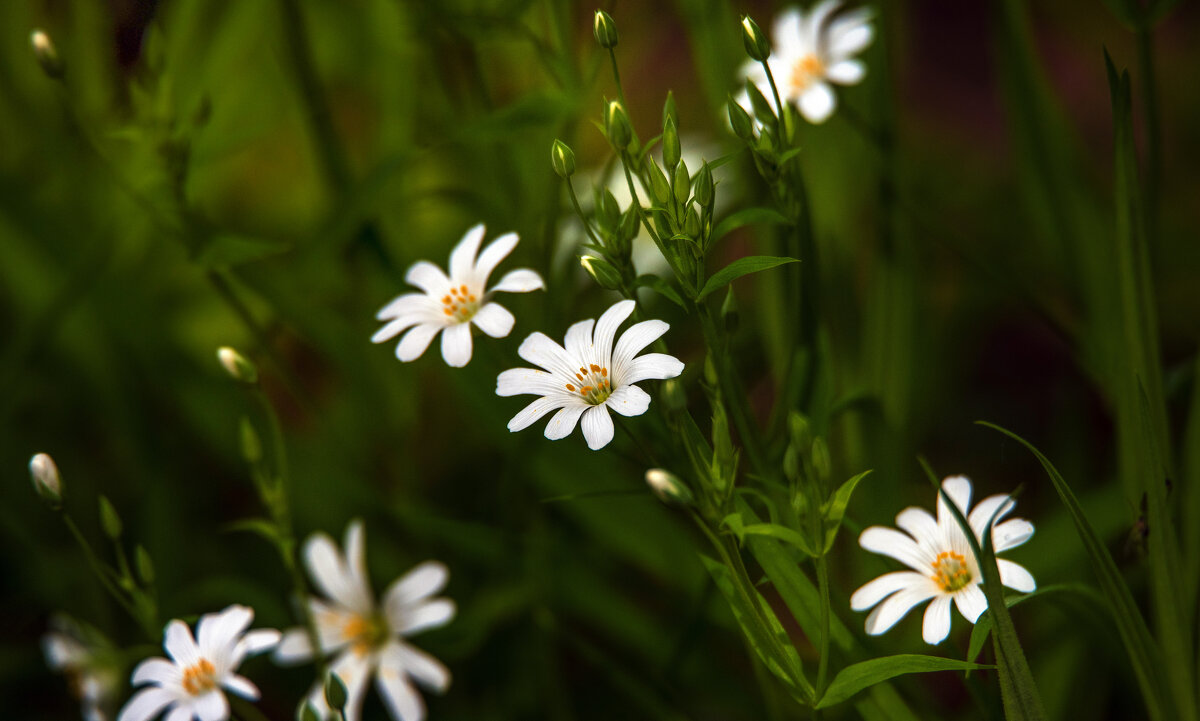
x: 594, y: 384
x: 806, y: 70
x: 460, y: 304
x: 365, y: 633
x: 950, y: 571
x: 199, y: 678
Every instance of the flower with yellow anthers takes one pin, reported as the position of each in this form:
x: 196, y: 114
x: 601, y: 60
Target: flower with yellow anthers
x: 809, y: 51
x: 589, y: 376
x: 450, y: 304
x: 369, y: 639
x: 193, y: 682
x: 944, y: 568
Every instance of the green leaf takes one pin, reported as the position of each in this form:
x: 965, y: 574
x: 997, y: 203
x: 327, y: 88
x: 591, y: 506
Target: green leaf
x: 772, y: 530
x: 660, y: 286
x: 738, y: 268
x: 859, y: 676
x: 745, y: 217
x: 835, y: 508
x: 983, y: 626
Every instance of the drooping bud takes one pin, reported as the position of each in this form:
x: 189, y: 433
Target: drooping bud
x: 563, y: 159
x: 739, y: 120
x: 46, y: 480
x: 668, y: 487
x: 109, y: 520
x: 602, y: 272
x: 755, y: 41
x: 605, y: 30
x: 616, y: 122
x: 682, y: 184
x: 704, y: 186
x: 251, y: 445
x: 670, y: 145
x: 335, y: 692
x: 46, y: 54
x: 237, y: 365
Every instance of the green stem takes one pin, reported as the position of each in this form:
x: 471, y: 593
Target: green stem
x: 583, y: 218
x: 1145, y: 53
x: 784, y: 116
x: 735, y: 398
x: 823, y: 648
x: 99, y: 569
x: 612, y: 55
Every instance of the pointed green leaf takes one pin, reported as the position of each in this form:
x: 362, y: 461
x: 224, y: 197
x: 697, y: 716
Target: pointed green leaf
x: 745, y: 217
x: 983, y: 626
x: 859, y: 676
x: 772, y: 530
x: 738, y: 268
x: 660, y: 286
x: 835, y: 508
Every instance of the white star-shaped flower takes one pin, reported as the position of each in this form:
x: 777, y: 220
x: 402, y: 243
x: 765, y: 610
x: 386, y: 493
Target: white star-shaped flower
x: 449, y: 305
x: 193, y: 683
x: 89, y: 663
x: 810, y: 51
x: 368, y: 638
x: 588, y: 377
x: 944, y: 567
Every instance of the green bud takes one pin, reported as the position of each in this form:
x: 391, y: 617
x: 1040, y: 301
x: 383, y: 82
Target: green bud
x: 308, y: 712
x: 755, y: 41
x: 669, y: 111
x: 145, y: 566
x: 800, y: 429
x: 109, y: 520
x: 659, y: 185
x: 46, y: 54
x: 670, y: 145
x: 704, y: 186
x: 630, y: 222
x: 791, y: 463
x: 763, y: 109
x: 46, y: 480
x: 710, y: 371
x: 682, y: 184
x: 605, y: 30
x: 616, y: 122
x: 691, y: 226
x: 739, y: 120
x: 335, y: 692
x: 563, y: 159
x: 821, y: 460
x: 603, y: 272
x: 237, y: 366
x: 674, y: 395
x: 729, y: 312
x: 251, y: 445
x: 608, y: 213
x: 668, y: 487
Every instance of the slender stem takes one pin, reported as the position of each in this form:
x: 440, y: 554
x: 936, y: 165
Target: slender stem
x: 99, y: 569
x: 784, y: 116
x: 612, y: 55
x: 1145, y: 52
x: 582, y: 218
x: 735, y: 399
x: 823, y: 586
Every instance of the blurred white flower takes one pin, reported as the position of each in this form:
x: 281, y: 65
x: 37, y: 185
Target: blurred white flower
x: 944, y: 567
x: 193, y: 682
x: 368, y: 638
x: 809, y: 52
x: 450, y: 305
x: 589, y: 376
x: 88, y: 662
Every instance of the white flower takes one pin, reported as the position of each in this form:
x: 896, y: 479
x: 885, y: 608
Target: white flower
x: 369, y: 638
x: 88, y: 662
x: 943, y: 566
x: 450, y: 305
x: 201, y: 669
x: 808, y: 53
x: 589, y: 376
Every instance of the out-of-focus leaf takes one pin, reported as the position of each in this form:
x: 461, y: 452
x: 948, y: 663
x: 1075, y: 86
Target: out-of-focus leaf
x: 738, y: 268
x: 983, y: 625
x: 772, y: 530
x: 744, y: 217
x: 856, y: 677
x: 660, y: 286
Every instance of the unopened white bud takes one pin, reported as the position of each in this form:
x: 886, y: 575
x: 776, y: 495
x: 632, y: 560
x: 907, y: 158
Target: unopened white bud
x: 46, y: 53
x: 667, y: 486
x: 237, y: 366
x: 46, y: 480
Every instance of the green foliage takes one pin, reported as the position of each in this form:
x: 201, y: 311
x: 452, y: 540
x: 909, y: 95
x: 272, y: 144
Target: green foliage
x: 859, y: 676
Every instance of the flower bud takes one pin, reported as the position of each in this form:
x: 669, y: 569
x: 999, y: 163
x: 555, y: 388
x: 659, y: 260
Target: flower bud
x: 605, y: 30
x: 739, y: 120
x: 563, y: 159
x: 668, y: 487
x: 704, y: 186
x: 616, y: 123
x: 251, y: 445
x: 659, y: 185
x: 799, y: 429
x: 763, y: 110
x: 608, y: 211
x: 674, y: 395
x: 630, y: 222
x: 46, y: 54
x: 670, y: 145
x: 145, y: 566
x: 335, y: 692
x: 755, y: 41
x: 602, y: 272
x: 729, y: 312
x: 821, y: 460
x: 109, y: 520
x: 237, y: 366
x: 669, y: 111
x: 46, y: 480
x: 309, y: 712
x: 682, y: 184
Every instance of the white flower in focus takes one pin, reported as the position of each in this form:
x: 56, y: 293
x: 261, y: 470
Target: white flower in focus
x: 451, y: 304
x: 810, y: 51
x: 944, y: 568
x: 193, y: 682
x: 588, y: 377
x: 369, y: 639
x: 89, y: 663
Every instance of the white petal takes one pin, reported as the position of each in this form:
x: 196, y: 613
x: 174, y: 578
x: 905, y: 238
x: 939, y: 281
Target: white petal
x: 420, y: 583
x: 182, y: 712
x: 62, y: 651
x: 462, y: 258
x: 258, y: 641
x: 958, y: 488
x: 846, y: 72
x: 403, y: 305
x: 491, y: 256
x: 402, y: 700
x: 331, y: 575
x: 896, y: 606
x: 872, y: 592
x: 429, y: 278
x: 597, y: 427
x: 178, y: 641
x: 1015, y: 576
x: 578, y: 342
x: 396, y: 327
x: 816, y: 24
x: 494, y: 319
x: 217, y: 632
x: 354, y: 671
x: 937, y: 621
x: 540, y: 350
x: 920, y: 524
x: 355, y: 544
x: 242, y: 686
x: 536, y: 410
x: 890, y: 542
x: 212, y: 706
x: 415, y: 341
x: 971, y: 602
x: 563, y: 422
x: 431, y: 614
x: 785, y: 31
x: 145, y: 704
x: 155, y: 670
x: 849, y: 34
x: 606, y: 330
x: 633, y: 341
x: 983, y: 511
x: 628, y: 401
x: 521, y: 381
x: 817, y: 102
x: 652, y: 366
x: 522, y: 280
x: 293, y: 648
x: 456, y: 345
x: 1011, y: 534
x: 411, y: 661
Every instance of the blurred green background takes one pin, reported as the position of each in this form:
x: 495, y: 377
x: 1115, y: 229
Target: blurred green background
x: 261, y: 173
